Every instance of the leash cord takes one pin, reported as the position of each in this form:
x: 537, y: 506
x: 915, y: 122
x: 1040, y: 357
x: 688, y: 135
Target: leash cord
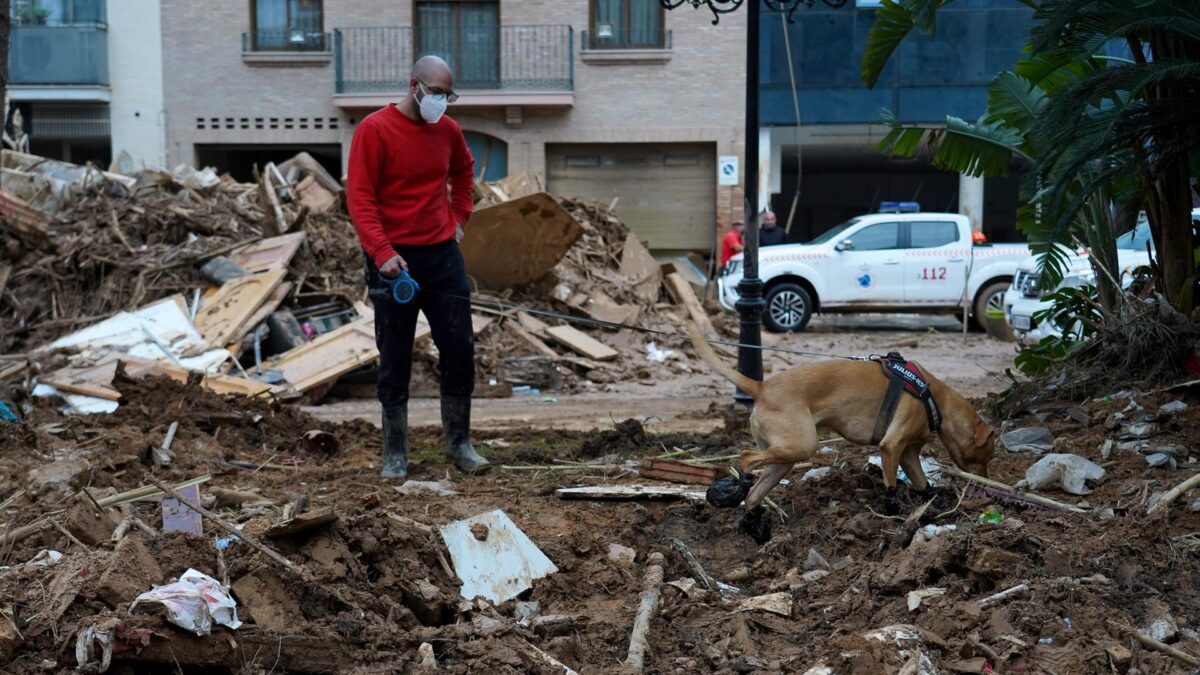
x: 500, y: 305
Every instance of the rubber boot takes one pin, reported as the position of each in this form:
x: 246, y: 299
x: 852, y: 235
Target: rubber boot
x: 395, y: 444
x: 456, y: 420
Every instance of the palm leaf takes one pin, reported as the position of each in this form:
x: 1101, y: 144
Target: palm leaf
x: 977, y: 149
x: 902, y: 141
x: 893, y: 23
x: 1015, y: 100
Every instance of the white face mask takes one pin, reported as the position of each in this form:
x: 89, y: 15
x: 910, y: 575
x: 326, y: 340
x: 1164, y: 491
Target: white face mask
x: 432, y: 106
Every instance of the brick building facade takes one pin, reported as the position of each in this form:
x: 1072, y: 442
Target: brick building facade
x: 609, y: 99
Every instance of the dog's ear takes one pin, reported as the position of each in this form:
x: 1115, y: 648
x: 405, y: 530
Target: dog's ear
x: 983, y: 432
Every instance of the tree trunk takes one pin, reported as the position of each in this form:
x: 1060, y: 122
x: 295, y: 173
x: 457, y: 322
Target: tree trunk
x: 1177, y: 255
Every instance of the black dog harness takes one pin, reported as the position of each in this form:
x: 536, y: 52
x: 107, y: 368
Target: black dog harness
x: 903, y: 376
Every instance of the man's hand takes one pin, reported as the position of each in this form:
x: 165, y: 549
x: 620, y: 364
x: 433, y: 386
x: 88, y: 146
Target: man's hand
x: 392, y: 267
x: 459, y: 233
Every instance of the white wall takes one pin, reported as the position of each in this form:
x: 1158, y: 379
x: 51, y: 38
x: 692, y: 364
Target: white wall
x: 135, y: 66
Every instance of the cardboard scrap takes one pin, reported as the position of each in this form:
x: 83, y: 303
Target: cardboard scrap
x: 641, y: 268
x: 516, y: 242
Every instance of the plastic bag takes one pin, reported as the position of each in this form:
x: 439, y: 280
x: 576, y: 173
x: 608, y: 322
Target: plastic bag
x: 1072, y: 471
x: 194, y: 602
x: 729, y: 491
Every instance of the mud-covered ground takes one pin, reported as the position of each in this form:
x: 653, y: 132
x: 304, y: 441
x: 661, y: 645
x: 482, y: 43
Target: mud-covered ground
x: 374, y: 588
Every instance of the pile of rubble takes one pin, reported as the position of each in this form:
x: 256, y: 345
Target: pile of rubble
x: 579, y: 552
x: 258, y: 287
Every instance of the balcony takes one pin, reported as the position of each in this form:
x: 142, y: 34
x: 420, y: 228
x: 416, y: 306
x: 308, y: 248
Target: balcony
x: 62, y: 56
x: 493, y: 65
x: 286, y: 48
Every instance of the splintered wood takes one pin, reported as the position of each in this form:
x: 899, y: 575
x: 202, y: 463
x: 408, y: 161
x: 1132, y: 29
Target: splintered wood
x: 268, y: 255
x: 684, y: 295
x: 329, y: 356
x: 220, y: 317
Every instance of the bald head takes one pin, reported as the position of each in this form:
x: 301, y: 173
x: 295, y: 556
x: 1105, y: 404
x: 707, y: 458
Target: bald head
x: 434, y: 71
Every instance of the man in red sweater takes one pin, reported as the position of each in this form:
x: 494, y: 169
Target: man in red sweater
x: 401, y: 159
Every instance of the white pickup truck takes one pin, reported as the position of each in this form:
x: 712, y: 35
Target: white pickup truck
x: 881, y: 262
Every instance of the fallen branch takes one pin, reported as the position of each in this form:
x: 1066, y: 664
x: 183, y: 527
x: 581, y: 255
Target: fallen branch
x: 547, y: 659
x: 1008, y: 489
x: 1175, y: 493
x: 697, y: 569
x: 651, y: 589
x: 1146, y: 640
x: 265, y: 550
x: 1003, y: 596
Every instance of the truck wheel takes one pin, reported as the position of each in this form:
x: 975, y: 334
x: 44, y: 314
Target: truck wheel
x: 789, y: 307
x: 991, y: 297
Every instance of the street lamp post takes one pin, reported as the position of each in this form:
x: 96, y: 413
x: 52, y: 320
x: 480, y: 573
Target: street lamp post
x: 750, y: 302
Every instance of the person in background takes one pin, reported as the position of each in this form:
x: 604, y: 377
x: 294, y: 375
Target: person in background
x: 732, y: 244
x: 401, y: 160
x: 770, y: 234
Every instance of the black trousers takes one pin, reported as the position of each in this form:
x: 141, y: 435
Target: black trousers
x: 440, y: 272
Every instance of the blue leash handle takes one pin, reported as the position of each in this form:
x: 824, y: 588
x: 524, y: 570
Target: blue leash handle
x: 404, y: 287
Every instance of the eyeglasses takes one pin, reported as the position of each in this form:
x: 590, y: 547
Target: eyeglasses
x: 450, y: 96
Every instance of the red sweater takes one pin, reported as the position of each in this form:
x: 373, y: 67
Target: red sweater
x: 396, y: 181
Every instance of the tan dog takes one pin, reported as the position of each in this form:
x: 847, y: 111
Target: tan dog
x: 844, y: 397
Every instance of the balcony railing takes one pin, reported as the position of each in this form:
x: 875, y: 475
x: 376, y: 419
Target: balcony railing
x: 484, y: 58
x: 285, y: 41
x: 58, y: 55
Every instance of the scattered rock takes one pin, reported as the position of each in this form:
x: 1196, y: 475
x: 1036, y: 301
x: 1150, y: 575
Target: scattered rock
x: 1160, y: 624
x: 554, y: 624
x: 1032, y: 439
x: 89, y: 526
x: 975, y: 665
x: 1195, y: 507
x: 268, y: 602
x: 814, y: 575
x: 622, y: 555
x: 1172, y: 409
x: 428, y: 660
x: 1106, y: 448
x: 815, y: 561
x: 1120, y: 655
x: 486, y: 626
x: 843, y: 563
x: 1161, y: 459
x: 10, y: 640
x: 527, y: 611
x: 131, y: 571
x: 1140, y: 430
x: 479, y: 531
x: 61, y: 477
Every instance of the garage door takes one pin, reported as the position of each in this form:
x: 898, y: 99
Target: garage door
x: 666, y: 192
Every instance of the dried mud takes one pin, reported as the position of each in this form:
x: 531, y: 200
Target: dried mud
x: 380, y: 589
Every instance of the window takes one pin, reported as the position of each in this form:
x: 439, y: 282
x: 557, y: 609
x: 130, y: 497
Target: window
x: 627, y: 24
x: 467, y: 36
x: 879, y: 237
x: 932, y: 234
x: 56, y: 12
x: 287, y: 25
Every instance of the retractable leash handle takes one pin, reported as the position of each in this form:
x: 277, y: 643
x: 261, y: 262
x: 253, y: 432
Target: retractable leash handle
x: 403, y: 287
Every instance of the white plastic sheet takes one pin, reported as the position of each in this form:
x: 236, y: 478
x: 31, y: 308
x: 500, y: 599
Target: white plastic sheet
x: 194, y: 603
x: 1072, y: 471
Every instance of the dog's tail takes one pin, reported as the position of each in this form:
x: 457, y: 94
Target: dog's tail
x: 752, y: 387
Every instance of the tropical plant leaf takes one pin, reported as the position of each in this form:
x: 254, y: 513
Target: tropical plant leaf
x: 1015, y: 100
x: 901, y: 140
x: 893, y: 22
x: 977, y: 149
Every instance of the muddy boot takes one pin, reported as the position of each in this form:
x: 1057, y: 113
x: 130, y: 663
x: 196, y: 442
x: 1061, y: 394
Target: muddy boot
x: 456, y: 421
x: 395, y: 444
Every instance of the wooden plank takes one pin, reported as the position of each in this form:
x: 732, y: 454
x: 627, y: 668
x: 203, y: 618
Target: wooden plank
x: 96, y: 379
x: 678, y: 472
x: 265, y: 255
x: 268, y: 307
x: 641, y: 268
x: 582, y: 344
x: 234, y: 303
x: 533, y: 340
x: 532, y: 324
x: 478, y: 323
x: 24, y: 220
x: 630, y: 492
x: 681, y: 289
x: 301, y: 523
x: 329, y: 356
